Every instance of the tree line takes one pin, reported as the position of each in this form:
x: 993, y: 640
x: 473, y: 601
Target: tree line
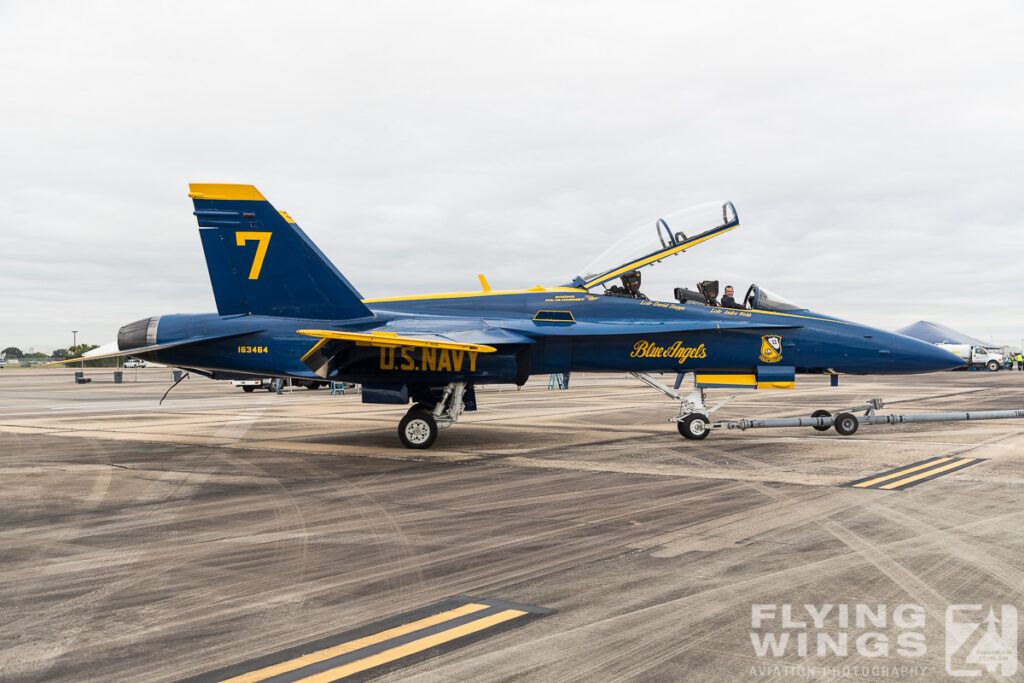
x: 14, y: 354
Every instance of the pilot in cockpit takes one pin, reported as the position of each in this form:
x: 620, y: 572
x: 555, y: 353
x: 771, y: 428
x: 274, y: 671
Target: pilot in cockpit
x: 728, y: 299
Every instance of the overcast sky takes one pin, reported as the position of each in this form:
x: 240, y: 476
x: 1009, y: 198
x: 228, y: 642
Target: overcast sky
x: 873, y: 149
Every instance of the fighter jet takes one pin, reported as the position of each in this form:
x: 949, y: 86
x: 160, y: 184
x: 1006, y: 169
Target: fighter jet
x: 284, y: 310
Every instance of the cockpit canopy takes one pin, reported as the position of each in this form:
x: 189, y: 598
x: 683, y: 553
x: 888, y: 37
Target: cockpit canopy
x: 654, y: 241
x: 756, y: 298
x: 761, y: 299
x: 669, y: 235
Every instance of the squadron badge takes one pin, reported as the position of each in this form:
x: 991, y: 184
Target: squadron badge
x: 771, y: 348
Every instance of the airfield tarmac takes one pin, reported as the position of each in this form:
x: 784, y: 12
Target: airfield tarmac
x: 205, y: 536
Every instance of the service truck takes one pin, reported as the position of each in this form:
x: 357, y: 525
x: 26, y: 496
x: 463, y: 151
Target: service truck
x: 251, y: 385
x: 975, y: 356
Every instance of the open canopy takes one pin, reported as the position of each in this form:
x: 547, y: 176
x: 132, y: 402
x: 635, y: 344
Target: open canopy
x: 759, y: 298
x: 654, y: 241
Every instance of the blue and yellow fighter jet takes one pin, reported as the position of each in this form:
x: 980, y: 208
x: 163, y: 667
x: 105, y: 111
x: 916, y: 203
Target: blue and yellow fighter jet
x: 284, y: 310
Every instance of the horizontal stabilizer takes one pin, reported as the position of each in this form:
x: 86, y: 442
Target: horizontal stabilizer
x: 155, y: 347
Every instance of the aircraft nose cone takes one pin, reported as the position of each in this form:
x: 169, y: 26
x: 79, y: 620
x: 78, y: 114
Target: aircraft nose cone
x: 914, y: 355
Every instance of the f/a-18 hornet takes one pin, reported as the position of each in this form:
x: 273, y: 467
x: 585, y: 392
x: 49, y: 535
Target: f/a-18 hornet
x: 284, y: 310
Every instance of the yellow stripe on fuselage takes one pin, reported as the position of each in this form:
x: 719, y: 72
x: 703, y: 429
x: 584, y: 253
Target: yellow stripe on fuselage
x: 795, y: 315
x: 776, y: 385
x: 466, y: 295
x: 574, y: 290
x: 733, y: 380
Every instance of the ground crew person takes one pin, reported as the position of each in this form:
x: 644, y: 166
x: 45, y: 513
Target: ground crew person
x: 1020, y: 361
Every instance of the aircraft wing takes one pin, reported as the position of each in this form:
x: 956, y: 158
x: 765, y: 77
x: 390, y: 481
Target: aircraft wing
x: 378, y: 338
x: 424, y: 334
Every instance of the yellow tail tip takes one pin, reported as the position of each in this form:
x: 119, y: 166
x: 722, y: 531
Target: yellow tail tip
x: 225, y: 191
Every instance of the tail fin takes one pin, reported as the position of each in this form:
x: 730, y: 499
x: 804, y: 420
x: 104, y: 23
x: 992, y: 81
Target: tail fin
x: 260, y: 262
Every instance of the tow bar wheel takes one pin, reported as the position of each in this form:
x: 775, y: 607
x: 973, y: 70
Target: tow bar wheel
x: 846, y: 423
x: 694, y: 426
x: 821, y: 413
x: 417, y: 429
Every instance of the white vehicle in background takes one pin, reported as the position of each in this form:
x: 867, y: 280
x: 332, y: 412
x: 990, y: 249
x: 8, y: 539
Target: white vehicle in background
x: 134, y: 363
x: 3, y: 362
x: 975, y: 356
x: 251, y: 385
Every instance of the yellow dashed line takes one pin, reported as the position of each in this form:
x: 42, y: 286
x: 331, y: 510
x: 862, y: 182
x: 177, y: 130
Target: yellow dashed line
x: 412, y: 648
x: 930, y: 463
x: 351, y: 646
x: 927, y: 473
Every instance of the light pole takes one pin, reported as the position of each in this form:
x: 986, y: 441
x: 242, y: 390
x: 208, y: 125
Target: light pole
x: 74, y: 338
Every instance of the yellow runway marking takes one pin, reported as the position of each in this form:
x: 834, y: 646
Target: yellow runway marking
x: 351, y: 646
x: 412, y: 648
x: 927, y: 473
x: 930, y: 463
x: 904, y: 477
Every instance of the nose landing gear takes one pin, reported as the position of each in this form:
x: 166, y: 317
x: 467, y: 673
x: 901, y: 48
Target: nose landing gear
x: 694, y: 426
x: 692, y: 420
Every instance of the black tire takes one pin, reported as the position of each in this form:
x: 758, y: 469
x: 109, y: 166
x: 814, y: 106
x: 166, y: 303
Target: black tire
x: 846, y: 424
x: 694, y: 427
x: 821, y: 413
x: 993, y: 365
x: 420, y: 406
x: 313, y: 385
x: 417, y: 430
x: 248, y: 390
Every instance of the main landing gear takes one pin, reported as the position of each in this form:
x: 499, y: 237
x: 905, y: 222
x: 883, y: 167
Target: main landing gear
x: 419, y: 427
x: 693, y: 422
